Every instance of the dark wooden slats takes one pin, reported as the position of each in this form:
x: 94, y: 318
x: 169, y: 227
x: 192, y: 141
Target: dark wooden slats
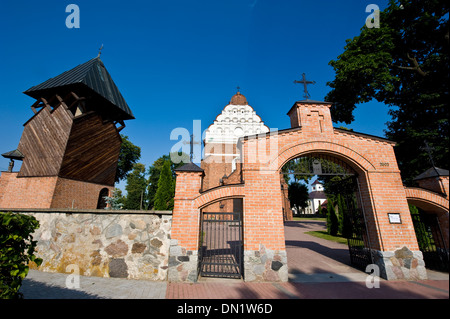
x: 55, y: 143
x: 92, y: 151
x: 43, y: 142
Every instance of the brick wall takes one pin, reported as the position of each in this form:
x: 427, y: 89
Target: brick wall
x: 76, y: 194
x: 26, y: 192
x: 435, y: 184
x: 47, y: 192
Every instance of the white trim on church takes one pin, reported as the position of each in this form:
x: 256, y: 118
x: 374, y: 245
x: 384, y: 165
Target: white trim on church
x: 234, y: 122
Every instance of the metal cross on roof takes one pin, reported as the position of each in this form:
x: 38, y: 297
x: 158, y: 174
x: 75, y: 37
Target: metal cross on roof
x: 428, y: 149
x: 100, y: 51
x: 305, y: 83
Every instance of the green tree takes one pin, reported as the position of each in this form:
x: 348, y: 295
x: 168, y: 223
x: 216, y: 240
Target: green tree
x: 404, y: 63
x: 343, y: 214
x: 332, y: 221
x: 16, y: 251
x: 154, y: 173
x: 320, y: 210
x: 298, y: 195
x: 116, y: 200
x: 129, y: 155
x: 135, y: 187
x: 165, y: 193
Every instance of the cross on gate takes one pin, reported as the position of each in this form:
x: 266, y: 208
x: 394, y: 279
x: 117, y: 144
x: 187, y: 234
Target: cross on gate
x: 305, y: 83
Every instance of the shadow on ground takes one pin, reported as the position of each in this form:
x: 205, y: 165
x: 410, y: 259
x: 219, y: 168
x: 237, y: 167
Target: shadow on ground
x: 38, y: 290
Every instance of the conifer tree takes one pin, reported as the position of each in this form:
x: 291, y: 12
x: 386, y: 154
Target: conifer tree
x: 136, y: 184
x: 332, y: 221
x: 166, y: 190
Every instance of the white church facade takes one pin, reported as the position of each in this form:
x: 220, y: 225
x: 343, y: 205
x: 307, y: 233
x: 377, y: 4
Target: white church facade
x: 317, y: 197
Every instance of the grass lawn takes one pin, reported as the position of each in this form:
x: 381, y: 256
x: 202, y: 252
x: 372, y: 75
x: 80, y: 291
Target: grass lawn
x: 323, y: 234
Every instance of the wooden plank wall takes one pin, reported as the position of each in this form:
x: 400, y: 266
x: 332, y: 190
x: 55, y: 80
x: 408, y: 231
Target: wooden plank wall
x: 44, y: 140
x: 92, y: 151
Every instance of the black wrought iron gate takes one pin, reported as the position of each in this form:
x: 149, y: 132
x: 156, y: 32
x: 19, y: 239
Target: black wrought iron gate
x: 358, y: 241
x: 431, y: 241
x: 355, y: 230
x: 221, y: 245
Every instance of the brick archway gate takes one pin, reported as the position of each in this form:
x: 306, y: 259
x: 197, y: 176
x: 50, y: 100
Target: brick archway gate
x: 393, y: 244
x: 431, y: 225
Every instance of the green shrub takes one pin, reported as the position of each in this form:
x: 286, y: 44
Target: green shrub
x: 332, y: 220
x: 16, y: 251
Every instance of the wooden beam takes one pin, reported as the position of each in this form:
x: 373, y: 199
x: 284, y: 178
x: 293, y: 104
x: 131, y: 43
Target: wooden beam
x: 75, y: 96
x: 76, y: 101
x: 45, y: 102
x: 35, y: 105
x: 62, y: 101
x: 121, y: 127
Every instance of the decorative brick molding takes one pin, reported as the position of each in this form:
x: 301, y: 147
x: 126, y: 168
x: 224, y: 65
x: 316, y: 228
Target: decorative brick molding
x: 218, y: 193
x: 432, y: 201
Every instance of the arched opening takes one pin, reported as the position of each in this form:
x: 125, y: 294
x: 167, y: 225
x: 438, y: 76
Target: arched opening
x: 101, y: 203
x: 431, y: 227
x: 326, y: 201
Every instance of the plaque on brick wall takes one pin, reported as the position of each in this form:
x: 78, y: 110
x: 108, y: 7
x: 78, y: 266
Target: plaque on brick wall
x: 394, y: 218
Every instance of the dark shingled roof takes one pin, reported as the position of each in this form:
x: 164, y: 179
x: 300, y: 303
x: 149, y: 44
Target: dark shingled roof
x: 16, y: 154
x: 189, y: 167
x: 91, y: 75
x: 432, y: 172
x: 317, y: 195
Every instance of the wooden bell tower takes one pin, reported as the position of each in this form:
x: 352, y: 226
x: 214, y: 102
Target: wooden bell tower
x: 71, y: 145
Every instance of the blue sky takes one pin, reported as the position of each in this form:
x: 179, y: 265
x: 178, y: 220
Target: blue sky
x: 179, y: 61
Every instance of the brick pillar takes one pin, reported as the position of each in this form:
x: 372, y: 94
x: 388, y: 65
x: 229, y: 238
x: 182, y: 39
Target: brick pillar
x: 394, y: 245
x: 183, y: 252
x: 265, y: 256
x: 312, y: 116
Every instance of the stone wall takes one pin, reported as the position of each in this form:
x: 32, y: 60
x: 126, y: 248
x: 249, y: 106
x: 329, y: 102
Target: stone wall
x: 401, y: 264
x: 265, y: 265
x: 102, y: 243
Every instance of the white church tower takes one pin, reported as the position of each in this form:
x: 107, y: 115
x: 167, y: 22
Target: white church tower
x: 317, y: 197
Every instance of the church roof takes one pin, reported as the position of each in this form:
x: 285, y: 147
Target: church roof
x: 238, y: 99
x: 316, y: 182
x: 317, y: 195
x: 432, y: 172
x: 88, y: 77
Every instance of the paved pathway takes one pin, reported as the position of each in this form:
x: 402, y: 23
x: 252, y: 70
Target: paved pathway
x: 44, y: 285
x: 317, y: 269
x: 311, y: 257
